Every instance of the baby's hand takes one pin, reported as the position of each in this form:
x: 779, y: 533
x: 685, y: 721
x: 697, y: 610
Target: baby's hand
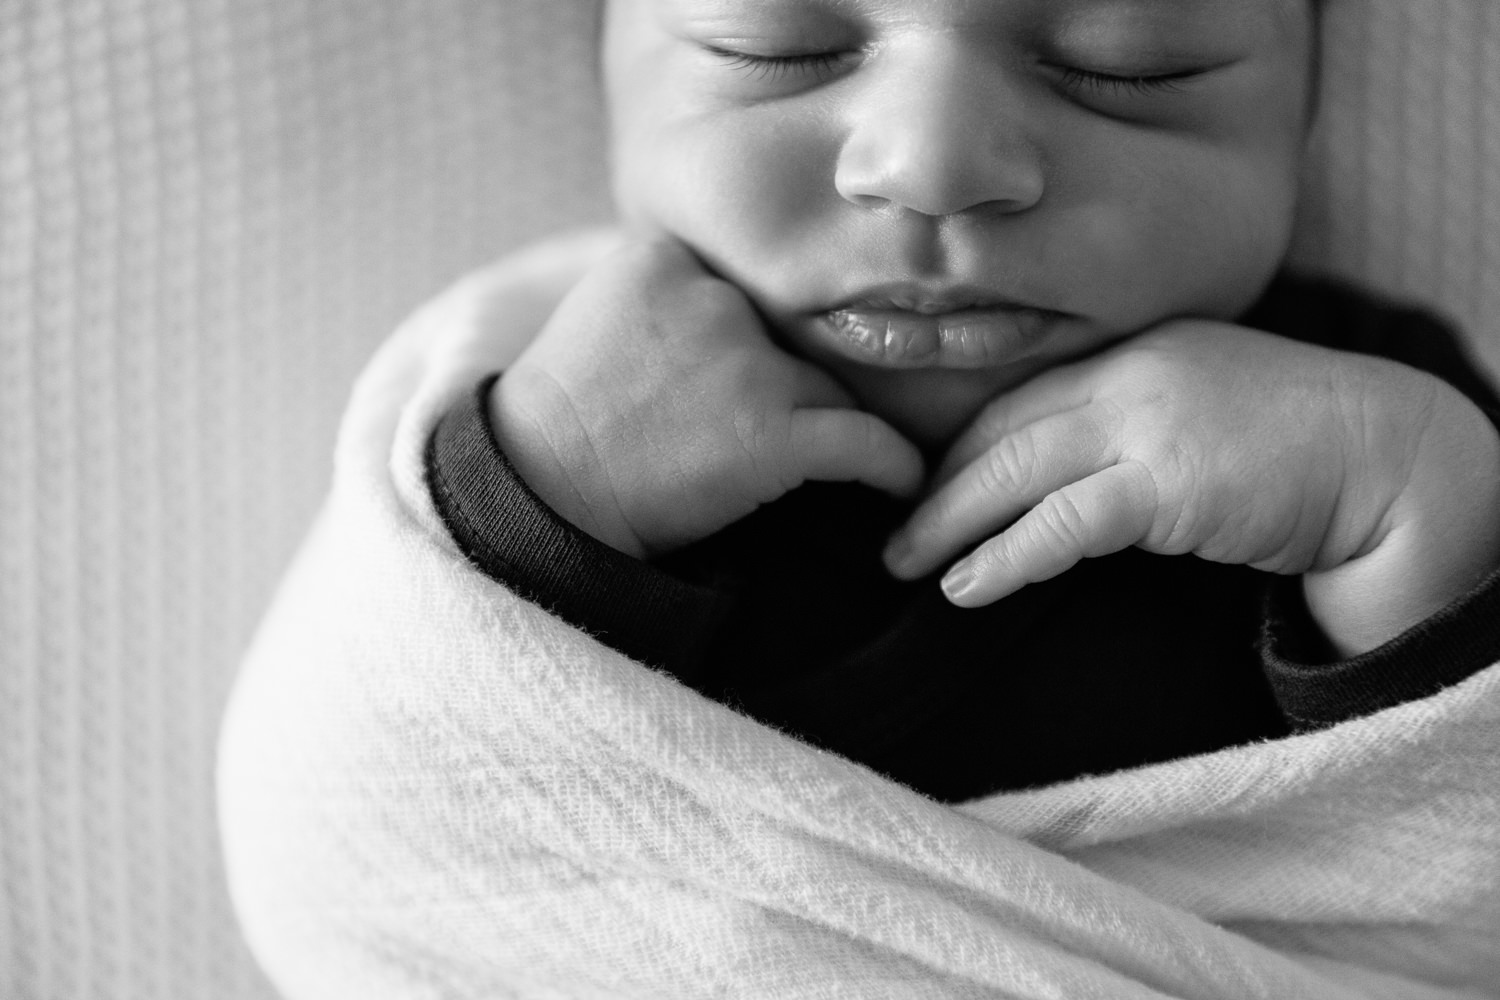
x: 653, y: 410
x: 1379, y: 483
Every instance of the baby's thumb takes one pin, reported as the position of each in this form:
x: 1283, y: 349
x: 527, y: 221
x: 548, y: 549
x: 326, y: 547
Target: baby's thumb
x: 845, y: 445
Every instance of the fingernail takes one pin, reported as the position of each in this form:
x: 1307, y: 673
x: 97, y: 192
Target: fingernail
x: 958, y: 580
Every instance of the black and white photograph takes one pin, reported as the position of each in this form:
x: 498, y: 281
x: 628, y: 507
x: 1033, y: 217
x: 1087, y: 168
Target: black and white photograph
x: 751, y: 499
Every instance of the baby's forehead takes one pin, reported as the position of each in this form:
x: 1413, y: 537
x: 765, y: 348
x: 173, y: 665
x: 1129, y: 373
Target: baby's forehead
x: 1067, y: 7
x: 1150, y: 23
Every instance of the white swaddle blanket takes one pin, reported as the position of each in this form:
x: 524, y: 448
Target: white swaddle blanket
x: 431, y: 788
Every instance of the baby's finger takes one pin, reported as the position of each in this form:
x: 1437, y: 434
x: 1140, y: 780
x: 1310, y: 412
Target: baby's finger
x: 998, y: 486
x: 1043, y: 396
x: 1104, y: 513
x: 840, y: 445
x: 813, y: 388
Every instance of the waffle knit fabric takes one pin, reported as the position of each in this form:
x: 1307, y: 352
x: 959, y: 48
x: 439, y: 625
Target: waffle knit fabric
x: 210, y: 212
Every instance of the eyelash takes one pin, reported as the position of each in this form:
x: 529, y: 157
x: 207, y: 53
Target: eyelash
x: 773, y: 68
x: 821, y: 64
x: 1115, y: 86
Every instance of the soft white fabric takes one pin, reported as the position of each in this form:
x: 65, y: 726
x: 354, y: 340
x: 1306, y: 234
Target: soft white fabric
x: 431, y: 788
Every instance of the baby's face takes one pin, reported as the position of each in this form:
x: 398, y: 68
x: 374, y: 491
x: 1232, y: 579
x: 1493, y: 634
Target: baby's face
x: 935, y: 199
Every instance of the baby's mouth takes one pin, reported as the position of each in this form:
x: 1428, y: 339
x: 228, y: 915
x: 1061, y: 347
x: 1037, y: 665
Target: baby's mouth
x: 933, y: 335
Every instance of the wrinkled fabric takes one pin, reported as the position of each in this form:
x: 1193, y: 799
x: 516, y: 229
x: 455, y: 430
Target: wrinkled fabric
x: 432, y: 788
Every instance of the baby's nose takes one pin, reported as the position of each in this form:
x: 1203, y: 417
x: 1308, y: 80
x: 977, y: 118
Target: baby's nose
x: 937, y: 128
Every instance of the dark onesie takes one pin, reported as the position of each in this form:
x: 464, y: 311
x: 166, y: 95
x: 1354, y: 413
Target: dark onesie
x: 789, y: 616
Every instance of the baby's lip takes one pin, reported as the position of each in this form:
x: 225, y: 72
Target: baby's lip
x: 911, y: 332
x: 926, y: 300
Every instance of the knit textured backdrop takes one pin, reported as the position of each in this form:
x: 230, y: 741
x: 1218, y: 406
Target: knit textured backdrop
x: 210, y: 213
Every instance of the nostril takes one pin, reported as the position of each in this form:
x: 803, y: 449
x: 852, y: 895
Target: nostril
x: 934, y: 168
x: 877, y: 204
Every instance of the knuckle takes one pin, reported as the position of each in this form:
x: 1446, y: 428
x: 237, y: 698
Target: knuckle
x: 1008, y: 467
x: 1140, y: 485
x: 1059, y: 522
x: 1168, y: 486
x: 1173, y: 464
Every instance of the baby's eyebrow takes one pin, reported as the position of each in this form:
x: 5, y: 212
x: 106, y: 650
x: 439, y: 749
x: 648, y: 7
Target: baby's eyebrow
x: 1283, y: 9
x: 1280, y: 17
x: 771, y: 16
x: 712, y: 9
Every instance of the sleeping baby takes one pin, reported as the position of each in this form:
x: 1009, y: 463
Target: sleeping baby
x: 945, y: 401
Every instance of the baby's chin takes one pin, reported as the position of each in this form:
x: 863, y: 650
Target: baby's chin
x: 929, y: 406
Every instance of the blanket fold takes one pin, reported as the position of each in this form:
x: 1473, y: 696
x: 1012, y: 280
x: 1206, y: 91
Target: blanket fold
x: 431, y: 788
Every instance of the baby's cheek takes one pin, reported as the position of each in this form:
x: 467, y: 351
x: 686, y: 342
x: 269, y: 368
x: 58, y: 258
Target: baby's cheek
x: 751, y: 193
x: 1204, y: 245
